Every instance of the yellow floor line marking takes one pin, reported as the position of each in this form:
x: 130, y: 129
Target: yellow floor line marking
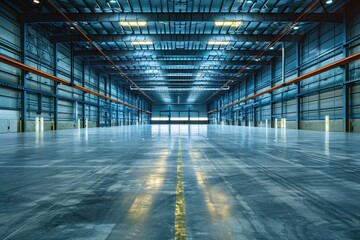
x: 180, y: 220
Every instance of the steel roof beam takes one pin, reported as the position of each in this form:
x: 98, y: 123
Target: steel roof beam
x: 175, y: 37
x: 176, y: 53
x: 178, y: 71
x: 204, y: 63
x: 181, y: 84
x: 173, y: 79
x: 182, y: 17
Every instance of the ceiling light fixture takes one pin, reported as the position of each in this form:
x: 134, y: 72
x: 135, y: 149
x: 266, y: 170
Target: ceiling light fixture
x: 329, y: 2
x: 141, y: 42
x: 112, y: 1
x: 218, y: 42
x: 296, y: 27
x: 271, y: 48
x: 249, y: 1
x: 133, y: 23
x: 36, y: 1
x: 228, y: 23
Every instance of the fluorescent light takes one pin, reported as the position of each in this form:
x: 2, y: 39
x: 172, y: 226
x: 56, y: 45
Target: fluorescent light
x: 271, y: 48
x: 141, y: 42
x: 329, y: 1
x: 218, y: 42
x: 249, y: 1
x: 112, y: 1
x: 227, y: 23
x: 36, y: 1
x: 133, y: 23
x: 296, y: 27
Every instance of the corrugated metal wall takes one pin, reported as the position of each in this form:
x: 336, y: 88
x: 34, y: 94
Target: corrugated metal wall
x: 318, y: 96
x: 72, y: 104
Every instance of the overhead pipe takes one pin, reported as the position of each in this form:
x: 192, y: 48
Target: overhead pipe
x: 318, y: 71
x: 46, y: 75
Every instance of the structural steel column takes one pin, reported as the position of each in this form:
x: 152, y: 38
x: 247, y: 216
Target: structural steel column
x: 254, y: 101
x: 99, y: 110
x: 272, y: 76
x: 282, y: 78
x: 109, y: 103
x: 298, y: 86
x: 220, y: 110
x: 124, y: 108
x: 83, y: 96
x: 139, y: 112
x: 23, y: 79
x: 345, y: 88
x: 117, y: 105
x: 56, y: 84
x: 72, y: 64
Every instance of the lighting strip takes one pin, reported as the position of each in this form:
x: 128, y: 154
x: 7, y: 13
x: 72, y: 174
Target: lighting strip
x: 218, y: 42
x: 229, y: 23
x: 133, y: 23
x: 141, y: 42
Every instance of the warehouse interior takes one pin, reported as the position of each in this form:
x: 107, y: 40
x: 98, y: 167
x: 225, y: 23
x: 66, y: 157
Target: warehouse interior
x: 179, y: 119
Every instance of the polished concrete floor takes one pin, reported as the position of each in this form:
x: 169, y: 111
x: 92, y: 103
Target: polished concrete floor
x: 123, y: 183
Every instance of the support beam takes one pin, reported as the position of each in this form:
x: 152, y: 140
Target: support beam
x: 204, y: 72
x: 181, y: 17
x: 23, y: 79
x: 345, y: 99
x: 170, y: 53
x: 109, y: 103
x: 55, y: 119
x: 189, y: 84
x: 254, y: 107
x: 272, y: 76
x: 298, y: 87
x: 174, y: 37
x: 345, y: 88
x: 177, y: 79
x: 117, y: 106
x: 83, y: 96
x: 99, y: 102
x: 72, y: 64
x: 124, y: 109
x: 169, y: 63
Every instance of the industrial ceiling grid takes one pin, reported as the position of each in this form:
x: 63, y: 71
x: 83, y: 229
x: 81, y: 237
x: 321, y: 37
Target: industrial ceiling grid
x: 179, y: 44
